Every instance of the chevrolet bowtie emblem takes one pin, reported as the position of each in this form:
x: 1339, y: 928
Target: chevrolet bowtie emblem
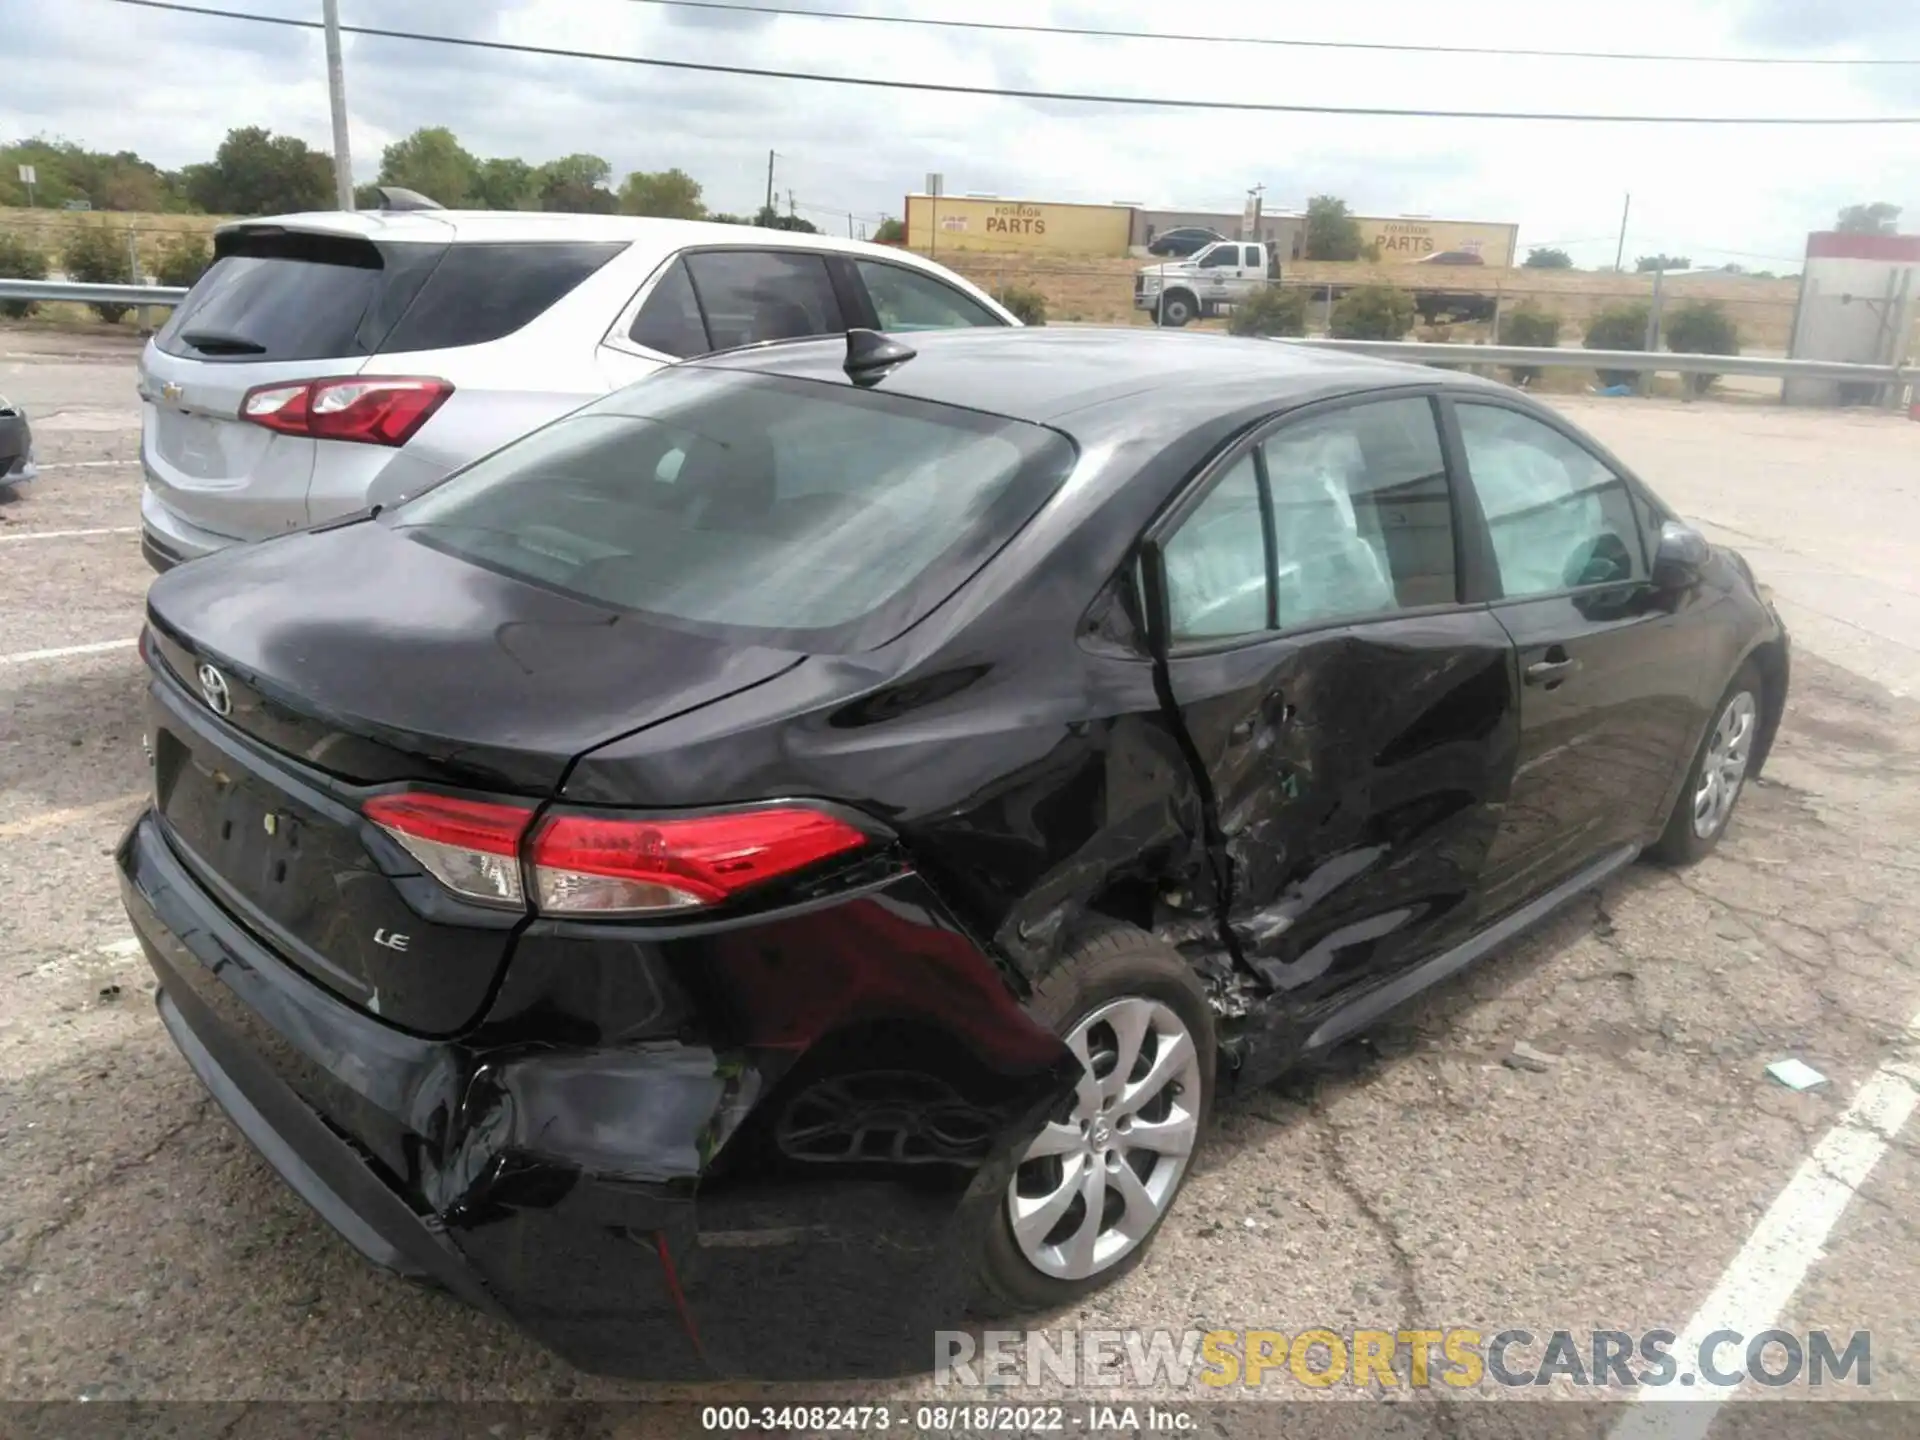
x: 171, y: 391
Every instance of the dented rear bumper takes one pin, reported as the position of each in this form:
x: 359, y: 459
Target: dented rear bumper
x: 662, y: 1208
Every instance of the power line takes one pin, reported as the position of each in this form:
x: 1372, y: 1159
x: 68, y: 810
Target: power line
x: 724, y: 5
x: 1137, y: 101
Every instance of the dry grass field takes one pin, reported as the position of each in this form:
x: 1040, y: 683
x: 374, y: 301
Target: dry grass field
x: 49, y: 229
x: 1100, y: 291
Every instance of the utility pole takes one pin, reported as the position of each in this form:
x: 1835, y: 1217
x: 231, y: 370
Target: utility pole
x: 768, y: 207
x: 337, y: 95
x: 1620, y: 254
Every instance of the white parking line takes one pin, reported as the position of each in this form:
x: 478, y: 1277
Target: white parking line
x: 85, y: 464
x: 68, y: 534
x: 1791, y: 1236
x: 23, y: 657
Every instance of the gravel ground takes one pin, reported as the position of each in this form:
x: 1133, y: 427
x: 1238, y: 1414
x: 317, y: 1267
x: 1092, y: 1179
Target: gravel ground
x: 1419, y: 1181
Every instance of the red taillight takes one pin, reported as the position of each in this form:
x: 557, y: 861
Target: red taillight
x: 371, y: 410
x: 470, y: 846
x: 604, y: 865
x: 584, y: 863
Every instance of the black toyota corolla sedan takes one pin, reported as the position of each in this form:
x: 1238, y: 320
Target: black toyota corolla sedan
x: 793, y: 850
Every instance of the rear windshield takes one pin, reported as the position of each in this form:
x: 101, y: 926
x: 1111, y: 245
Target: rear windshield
x: 277, y: 296
x: 784, y: 512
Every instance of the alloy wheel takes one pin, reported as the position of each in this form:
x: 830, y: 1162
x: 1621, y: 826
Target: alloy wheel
x: 1097, y: 1179
x: 1725, y: 767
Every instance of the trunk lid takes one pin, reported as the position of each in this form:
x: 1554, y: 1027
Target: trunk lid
x: 295, y: 677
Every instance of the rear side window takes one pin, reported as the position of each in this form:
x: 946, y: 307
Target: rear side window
x: 905, y: 299
x: 669, y: 320
x: 751, y: 296
x: 479, y: 293
x: 786, y: 512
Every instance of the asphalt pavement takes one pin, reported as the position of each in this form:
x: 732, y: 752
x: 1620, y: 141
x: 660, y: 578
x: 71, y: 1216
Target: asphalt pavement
x: 1631, y: 1168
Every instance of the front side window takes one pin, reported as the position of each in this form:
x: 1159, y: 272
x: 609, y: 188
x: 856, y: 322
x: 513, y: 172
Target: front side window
x: 1220, y: 255
x: 906, y: 300
x: 1216, y: 562
x: 752, y: 296
x: 787, y: 512
x: 1559, y: 519
x: 1362, y: 513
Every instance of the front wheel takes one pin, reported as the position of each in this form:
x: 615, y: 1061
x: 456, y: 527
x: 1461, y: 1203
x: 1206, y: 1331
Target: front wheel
x: 1176, y: 310
x: 1093, y: 1186
x: 1717, y: 776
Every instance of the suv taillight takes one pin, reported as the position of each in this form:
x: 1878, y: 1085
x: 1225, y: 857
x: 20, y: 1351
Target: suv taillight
x: 369, y: 409
x: 608, y: 865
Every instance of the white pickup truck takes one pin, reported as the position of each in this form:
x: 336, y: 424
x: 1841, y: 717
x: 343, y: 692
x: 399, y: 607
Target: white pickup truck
x: 1205, y: 283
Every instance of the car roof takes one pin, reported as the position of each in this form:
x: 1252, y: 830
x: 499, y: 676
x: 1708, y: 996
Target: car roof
x: 1097, y: 376
x: 497, y: 226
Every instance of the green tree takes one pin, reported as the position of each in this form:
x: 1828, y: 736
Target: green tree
x: 668, y: 194
x: 184, y: 260
x: 431, y: 162
x: 1372, y: 312
x: 1271, y: 310
x: 723, y: 218
x: 891, y: 232
x: 769, y: 218
x: 1618, y: 327
x: 1702, y: 327
x: 1332, y: 232
x: 1648, y: 263
x: 20, y: 261
x: 1877, y: 218
x: 1028, y: 305
x: 578, y: 184
x: 1545, y: 257
x: 505, y: 184
x: 99, y: 255
x: 255, y: 172
x: 66, y: 171
x: 1528, y: 325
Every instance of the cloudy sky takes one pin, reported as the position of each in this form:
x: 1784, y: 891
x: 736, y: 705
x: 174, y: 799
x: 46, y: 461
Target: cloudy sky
x: 170, y: 85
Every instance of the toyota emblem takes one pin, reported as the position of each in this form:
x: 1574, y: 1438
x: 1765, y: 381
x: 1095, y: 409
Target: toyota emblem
x: 213, y: 686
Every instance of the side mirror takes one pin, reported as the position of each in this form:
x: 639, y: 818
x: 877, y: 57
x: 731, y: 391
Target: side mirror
x: 1681, y: 556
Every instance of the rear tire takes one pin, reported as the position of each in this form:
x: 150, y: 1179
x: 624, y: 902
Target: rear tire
x: 1718, y: 775
x: 1118, y: 988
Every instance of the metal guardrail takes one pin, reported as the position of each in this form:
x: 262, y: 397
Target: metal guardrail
x: 70, y: 290
x: 1424, y: 352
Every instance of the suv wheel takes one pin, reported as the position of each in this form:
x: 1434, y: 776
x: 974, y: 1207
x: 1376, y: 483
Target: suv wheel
x: 1095, y: 1183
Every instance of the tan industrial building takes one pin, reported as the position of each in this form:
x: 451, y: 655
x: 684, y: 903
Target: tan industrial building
x: 1047, y: 227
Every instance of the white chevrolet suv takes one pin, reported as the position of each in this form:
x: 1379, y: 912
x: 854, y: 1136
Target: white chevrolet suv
x: 329, y: 362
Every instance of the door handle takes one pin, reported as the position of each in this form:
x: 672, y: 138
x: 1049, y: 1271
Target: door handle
x: 1552, y: 670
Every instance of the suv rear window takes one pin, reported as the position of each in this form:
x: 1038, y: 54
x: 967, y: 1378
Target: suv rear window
x: 277, y: 296
x: 784, y: 512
